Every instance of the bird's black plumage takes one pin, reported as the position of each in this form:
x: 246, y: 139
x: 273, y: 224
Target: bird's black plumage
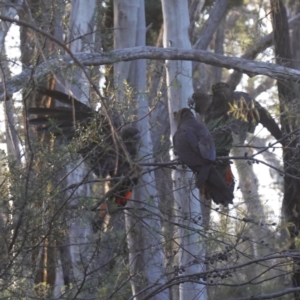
x: 94, y: 140
x: 226, y: 112
x: 241, y: 107
x: 195, y: 147
x: 226, y: 107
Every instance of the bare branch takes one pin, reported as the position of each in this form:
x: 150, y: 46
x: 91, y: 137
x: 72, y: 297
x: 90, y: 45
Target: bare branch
x: 257, y: 48
x: 272, y: 295
x: 197, y: 276
x: 215, y: 17
x: 91, y: 59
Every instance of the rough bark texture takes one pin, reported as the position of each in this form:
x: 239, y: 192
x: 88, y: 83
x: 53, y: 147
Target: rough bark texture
x: 287, y: 91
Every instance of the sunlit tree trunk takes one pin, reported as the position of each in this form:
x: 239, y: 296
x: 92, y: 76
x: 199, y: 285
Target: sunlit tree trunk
x: 187, y: 205
x: 76, y: 251
x: 204, y: 75
x: 12, y: 139
x: 143, y: 227
x: 288, y: 92
x: 248, y: 184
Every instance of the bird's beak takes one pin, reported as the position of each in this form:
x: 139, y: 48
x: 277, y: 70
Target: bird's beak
x: 175, y: 114
x: 191, y: 103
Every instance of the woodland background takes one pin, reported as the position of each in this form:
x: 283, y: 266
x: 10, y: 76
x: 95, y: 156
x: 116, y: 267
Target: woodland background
x: 145, y: 58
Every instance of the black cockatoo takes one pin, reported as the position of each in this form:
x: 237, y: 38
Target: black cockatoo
x: 242, y: 107
x: 225, y: 107
x: 195, y: 147
x: 93, y: 137
x: 228, y: 111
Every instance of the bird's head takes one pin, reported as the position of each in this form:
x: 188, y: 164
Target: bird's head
x: 222, y: 94
x: 130, y: 133
x: 200, y: 102
x: 191, y: 102
x: 131, y: 137
x: 182, y: 115
x: 219, y: 87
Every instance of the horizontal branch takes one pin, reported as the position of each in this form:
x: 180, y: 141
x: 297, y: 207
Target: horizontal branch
x: 243, y: 65
x: 272, y: 295
x: 188, y: 277
x: 249, y: 67
x: 257, y: 48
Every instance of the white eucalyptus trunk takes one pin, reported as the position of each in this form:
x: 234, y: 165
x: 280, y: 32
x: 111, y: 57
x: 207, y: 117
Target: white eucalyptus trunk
x: 12, y: 139
x: 187, y: 204
x: 248, y: 183
x: 8, y: 10
x: 77, y: 252
x: 143, y: 225
x: 82, y: 38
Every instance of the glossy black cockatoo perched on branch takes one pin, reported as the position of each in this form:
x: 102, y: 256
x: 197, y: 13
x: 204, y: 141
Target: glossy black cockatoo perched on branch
x: 195, y: 147
x: 226, y: 112
x: 94, y: 140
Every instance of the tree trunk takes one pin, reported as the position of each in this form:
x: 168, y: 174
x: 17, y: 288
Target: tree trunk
x: 75, y: 253
x: 187, y: 204
x: 288, y: 91
x: 12, y: 139
x: 143, y: 227
x: 248, y: 183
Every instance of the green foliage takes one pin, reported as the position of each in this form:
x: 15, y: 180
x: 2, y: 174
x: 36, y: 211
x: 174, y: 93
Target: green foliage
x: 40, y: 200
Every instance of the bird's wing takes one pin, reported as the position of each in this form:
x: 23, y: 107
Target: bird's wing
x: 66, y: 99
x: 199, y: 139
x: 207, y: 148
x: 268, y: 122
x: 64, y: 113
x: 200, y: 102
x: 205, y: 141
x: 262, y: 116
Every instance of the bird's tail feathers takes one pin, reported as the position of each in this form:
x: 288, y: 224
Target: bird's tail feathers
x: 202, y: 175
x: 220, y: 192
x: 229, y: 177
x: 122, y: 199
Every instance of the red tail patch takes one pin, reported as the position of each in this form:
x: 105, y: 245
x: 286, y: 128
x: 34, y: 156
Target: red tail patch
x: 103, y: 210
x: 204, y: 191
x: 229, y: 178
x: 122, y: 200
